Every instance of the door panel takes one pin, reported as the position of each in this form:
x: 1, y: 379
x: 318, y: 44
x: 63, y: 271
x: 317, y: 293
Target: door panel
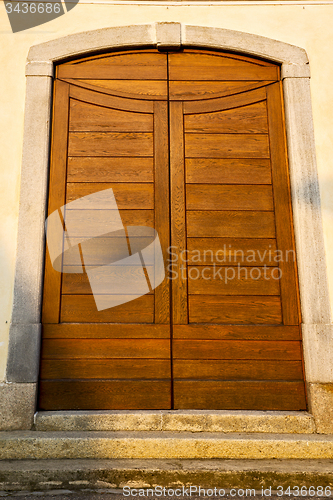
x: 233, y: 258
x: 116, y: 357
x: 192, y: 143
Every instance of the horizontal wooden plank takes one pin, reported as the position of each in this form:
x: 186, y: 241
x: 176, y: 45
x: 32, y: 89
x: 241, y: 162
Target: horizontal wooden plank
x: 221, y: 280
x: 99, y: 169
x: 86, y: 117
x: 197, y: 66
x: 216, y: 369
x: 228, y: 171
x: 243, y: 120
x: 143, y: 57
x: 225, y: 146
x: 127, y: 195
x: 105, y: 331
x: 105, y: 369
x: 234, y: 349
x: 231, y: 395
x: 222, y: 72
x: 236, y: 332
x: 201, y: 57
x: 235, y: 224
x: 105, y: 348
x: 136, y: 66
x: 238, y: 310
x: 133, y: 89
x: 82, y: 309
x: 119, y: 72
x: 109, y: 101
x: 228, y: 197
x: 91, y: 223
x: 230, y: 251
x: 226, y: 102
x: 196, y: 90
x: 112, y: 280
x: 110, y: 144
x: 105, y: 395
x: 104, y: 250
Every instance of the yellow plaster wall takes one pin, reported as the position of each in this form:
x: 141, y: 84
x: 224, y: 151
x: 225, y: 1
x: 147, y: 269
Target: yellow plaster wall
x: 307, y: 26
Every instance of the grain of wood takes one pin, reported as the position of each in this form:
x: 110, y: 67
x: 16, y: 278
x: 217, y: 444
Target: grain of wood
x: 112, y: 169
x: 178, y: 212
x: 283, y: 209
x: 236, y: 332
x: 52, y: 278
x: 105, y: 348
x: 226, y: 146
x: 245, y: 395
x: 238, y: 369
x: 235, y: 224
x: 241, y: 310
x: 231, y: 251
x: 105, y: 395
x: 127, y: 195
x: 132, y: 368
x: 230, y: 197
x: 162, y: 206
x: 228, y: 171
x: 86, y: 117
x: 133, y: 89
x: 243, y: 120
x: 196, y: 90
x: 105, y: 331
x: 82, y: 309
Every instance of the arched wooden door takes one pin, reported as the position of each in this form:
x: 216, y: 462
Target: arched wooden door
x: 193, y: 144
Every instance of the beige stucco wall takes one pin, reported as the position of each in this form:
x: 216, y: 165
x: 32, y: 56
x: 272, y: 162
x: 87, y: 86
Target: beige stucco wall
x: 307, y: 26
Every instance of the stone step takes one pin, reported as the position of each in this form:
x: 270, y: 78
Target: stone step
x: 37, y: 475
x: 276, y: 422
x: 148, y: 445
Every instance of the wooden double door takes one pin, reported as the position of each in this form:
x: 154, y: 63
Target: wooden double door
x: 193, y: 144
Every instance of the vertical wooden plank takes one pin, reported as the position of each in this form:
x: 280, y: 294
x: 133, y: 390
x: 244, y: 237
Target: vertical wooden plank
x: 162, y: 207
x: 178, y: 219
x: 57, y: 191
x: 282, y: 203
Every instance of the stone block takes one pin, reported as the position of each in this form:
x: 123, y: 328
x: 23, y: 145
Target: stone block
x: 17, y: 406
x: 23, y: 353
x: 321, y: 405
x: 168, y: 36
x: 98, y: 420
x: 318, y: 353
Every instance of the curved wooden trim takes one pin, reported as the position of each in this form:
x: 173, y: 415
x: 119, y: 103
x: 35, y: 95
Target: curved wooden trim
x: 230, y: 55
x: 224, y: 103
x: 103, y: 90
x: 108, y: 101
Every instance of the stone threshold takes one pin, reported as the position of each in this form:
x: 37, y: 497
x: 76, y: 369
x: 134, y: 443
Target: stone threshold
x: 276, y: 422
x: 23, y: 445
x: 51, y: 475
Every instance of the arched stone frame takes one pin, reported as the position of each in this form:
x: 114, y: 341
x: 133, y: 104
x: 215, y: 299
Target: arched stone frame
x: 19, y: 391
